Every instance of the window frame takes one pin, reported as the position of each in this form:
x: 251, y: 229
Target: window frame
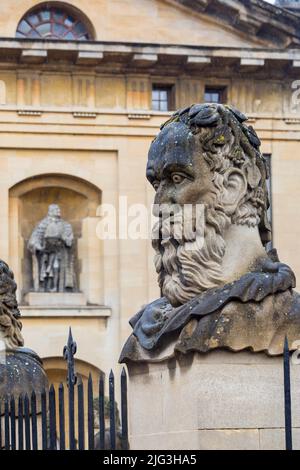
x: 161, y: 87
x: 222, y: 90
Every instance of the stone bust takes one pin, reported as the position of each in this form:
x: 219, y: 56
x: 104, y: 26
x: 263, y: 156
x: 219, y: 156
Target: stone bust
x: 21, y: 369
x: 51, y: 245
x: 220, y: 288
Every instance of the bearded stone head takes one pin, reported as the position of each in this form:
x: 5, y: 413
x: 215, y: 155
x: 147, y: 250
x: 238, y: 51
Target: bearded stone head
x: 10, y: 325
x: 206, y: 156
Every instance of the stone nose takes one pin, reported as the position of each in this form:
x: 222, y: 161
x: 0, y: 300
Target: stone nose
x: 164, y: 195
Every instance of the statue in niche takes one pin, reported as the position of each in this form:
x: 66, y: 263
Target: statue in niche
x: 220, y: 287
x: 51, y: 244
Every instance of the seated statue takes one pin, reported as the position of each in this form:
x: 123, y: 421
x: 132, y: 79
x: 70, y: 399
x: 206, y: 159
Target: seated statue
x: 51, y: 244
x: 220, y: 287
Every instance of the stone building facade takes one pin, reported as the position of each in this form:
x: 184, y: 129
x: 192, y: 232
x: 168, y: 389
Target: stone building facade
x: 84, y: 86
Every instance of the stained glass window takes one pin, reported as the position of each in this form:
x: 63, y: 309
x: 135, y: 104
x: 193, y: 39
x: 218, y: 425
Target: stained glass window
x: 52, y: 23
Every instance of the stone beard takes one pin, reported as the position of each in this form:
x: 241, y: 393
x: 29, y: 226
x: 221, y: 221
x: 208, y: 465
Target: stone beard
x: 190, y: 265
x: 220, y: 288
x: 51, y: 245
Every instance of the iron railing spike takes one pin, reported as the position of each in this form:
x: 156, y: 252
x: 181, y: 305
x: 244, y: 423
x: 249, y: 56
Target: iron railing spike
x: 287, y: 395
x: 27, y: 422
x: 12, y: 423
x: 6, y: 424
x: 90, y: 413
x: 44, y: 418
x: 61, y: 413
x: 101, y: 412
x: 80, y: 404
x: 112, y: 416
x: 20, y: 422
x: 70, y: 339
x: 68, y: 352
x: 34, y: 435
x: 52, y: 416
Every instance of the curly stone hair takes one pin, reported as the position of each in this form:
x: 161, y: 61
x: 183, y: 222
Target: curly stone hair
x: 10, y: 325
x: 227, y: 142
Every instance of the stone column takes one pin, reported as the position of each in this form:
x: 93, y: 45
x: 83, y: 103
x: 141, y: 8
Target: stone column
x: 35, y: 91
x: 90, y: 92
x: 21, y: 90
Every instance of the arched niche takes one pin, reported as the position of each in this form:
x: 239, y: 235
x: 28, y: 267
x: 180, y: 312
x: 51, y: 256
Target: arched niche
x: 56, y: 370
x: 78, y: 199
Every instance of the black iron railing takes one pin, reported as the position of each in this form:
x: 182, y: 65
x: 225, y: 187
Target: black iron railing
x: 287, y: 396
x: 40, y: 421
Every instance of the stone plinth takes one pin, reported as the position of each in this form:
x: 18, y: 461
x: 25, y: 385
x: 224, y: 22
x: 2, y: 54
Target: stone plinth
x: 62, y: 311
x: 40, y: 299
x: 221, y: 400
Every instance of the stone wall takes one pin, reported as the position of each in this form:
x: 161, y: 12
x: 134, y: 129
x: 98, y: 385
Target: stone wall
x: 220, y: 401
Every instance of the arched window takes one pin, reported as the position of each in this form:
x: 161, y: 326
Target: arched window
x: 53, y: 22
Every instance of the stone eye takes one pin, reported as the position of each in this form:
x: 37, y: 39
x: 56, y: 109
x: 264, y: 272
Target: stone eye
x: 155, y: 185
x: 177, y: 178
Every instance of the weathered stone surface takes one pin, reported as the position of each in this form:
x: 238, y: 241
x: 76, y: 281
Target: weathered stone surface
x: 148, y: 411
x: 233, y: 401
x: 170, y: 441
x: 228, y: 439
x: 21, y: 372
x: 48, y: 299
x: 274, y: 439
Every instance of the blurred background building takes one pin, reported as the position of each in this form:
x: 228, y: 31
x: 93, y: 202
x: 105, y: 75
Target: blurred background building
x: 291, y: 5
x: 84, y: 87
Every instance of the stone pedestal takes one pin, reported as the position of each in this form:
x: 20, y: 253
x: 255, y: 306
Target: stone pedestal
x: 66, y: 299
x: 220, y: 400
x: 61, y: 305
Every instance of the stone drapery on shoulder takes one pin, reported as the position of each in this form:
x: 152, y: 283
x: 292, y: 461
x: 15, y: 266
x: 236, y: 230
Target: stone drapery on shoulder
x: 255, y: 312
